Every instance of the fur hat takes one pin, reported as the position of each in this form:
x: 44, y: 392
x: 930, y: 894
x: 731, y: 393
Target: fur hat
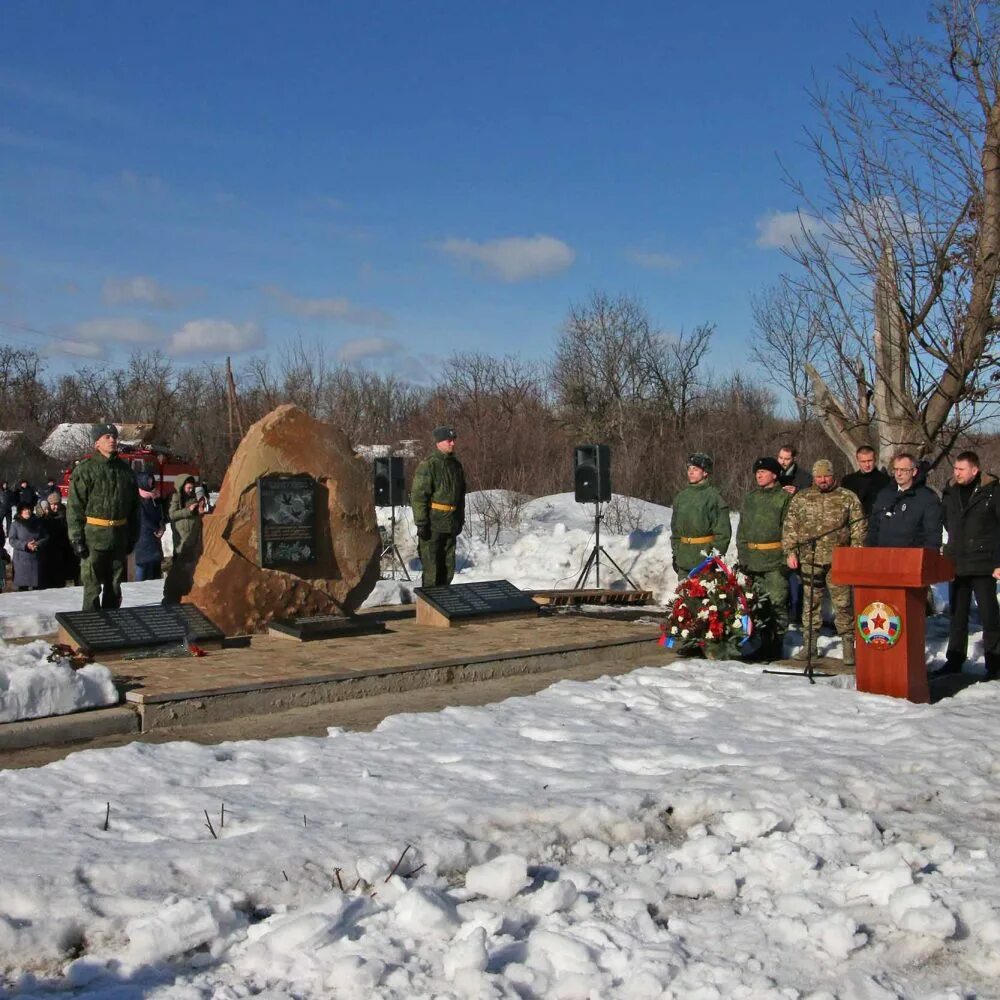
x: 701, y: 461
x: 444, y: 433
x: 99, y: 430
x: 768, y: 464
x: 823, y: 467
x: 54, y: 497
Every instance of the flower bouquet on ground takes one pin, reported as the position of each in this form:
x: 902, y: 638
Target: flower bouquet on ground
x: 714, y: 613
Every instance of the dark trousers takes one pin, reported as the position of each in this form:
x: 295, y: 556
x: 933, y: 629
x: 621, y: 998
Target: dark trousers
x: 437, y: 556
x: 960, y: 593
x: 148, y: 570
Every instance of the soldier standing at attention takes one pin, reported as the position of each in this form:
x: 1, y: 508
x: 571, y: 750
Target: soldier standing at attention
x: 758, y: 539
x: 102, y: 516
x: 820, y: 519
x: 700, y: 518
x: 437, y: 498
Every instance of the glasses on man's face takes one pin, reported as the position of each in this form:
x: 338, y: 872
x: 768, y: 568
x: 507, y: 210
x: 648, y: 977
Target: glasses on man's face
x: 904, y: 468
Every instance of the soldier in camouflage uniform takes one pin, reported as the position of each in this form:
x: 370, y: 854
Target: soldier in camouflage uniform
x: 758, y: 539
x: 820, y: 519
x: 102, y: 518
x: 437, y: 498
x: 699, y: 521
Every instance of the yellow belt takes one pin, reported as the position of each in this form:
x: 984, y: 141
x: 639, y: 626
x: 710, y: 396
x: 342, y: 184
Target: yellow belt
x: 700, y: 540
x: 443, y: 506
x: 103, y: 522
x: 763, y: 545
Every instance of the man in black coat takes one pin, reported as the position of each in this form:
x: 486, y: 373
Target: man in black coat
x: 791, y: 479
x: 868, y: 481
x: 972, y: 516
x: 906, y: 515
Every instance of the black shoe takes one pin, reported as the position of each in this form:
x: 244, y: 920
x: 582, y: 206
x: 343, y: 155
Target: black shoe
x: 950, y: 667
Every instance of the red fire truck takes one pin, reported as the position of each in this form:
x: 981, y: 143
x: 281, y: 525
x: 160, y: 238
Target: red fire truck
x: 160, y: 461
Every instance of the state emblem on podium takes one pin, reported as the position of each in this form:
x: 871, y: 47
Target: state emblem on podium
x: 880, y: 625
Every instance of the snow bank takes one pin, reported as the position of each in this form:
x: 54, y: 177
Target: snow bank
x: 31, y: 687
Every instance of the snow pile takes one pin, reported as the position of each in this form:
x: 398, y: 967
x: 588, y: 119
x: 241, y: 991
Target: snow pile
x: 31, y: 687
x: 701, y: 830
x: 68, y: 442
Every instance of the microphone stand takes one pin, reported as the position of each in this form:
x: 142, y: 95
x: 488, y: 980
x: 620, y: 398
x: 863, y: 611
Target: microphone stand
x: 808, y: 671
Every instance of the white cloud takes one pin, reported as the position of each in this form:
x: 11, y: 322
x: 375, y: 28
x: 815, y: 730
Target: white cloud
x: 366, y: 349
x: 120, y: 329
x: 206, y: 336
x: 654, y: 261
x: 139, y: 288
x: 76, y: 349
x: 778, y: 230
x: 514, y: 258
x: 341, y: 310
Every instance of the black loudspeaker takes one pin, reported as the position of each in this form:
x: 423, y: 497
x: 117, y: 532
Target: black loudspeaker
x: 592, y: 473
x: 390, y: 482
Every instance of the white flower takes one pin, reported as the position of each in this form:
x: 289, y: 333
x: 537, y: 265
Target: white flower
x: 673, y: 631
x: 703, y: 614
x: 684, y: 633
x: 713, y: 607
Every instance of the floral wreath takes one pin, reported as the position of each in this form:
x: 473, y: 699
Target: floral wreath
x: 712, y: 612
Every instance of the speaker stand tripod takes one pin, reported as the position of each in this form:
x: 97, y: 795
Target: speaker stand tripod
x: 594, y: 559
x: 390, y: 551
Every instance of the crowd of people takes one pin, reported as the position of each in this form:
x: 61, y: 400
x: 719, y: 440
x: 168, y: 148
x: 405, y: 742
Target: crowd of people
x: 111, y: 512
x: 791, y: 522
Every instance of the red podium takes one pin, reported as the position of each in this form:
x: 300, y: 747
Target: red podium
x: 890, y: 615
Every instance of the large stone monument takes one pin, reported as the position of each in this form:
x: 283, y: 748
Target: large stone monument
x: 314, y: 547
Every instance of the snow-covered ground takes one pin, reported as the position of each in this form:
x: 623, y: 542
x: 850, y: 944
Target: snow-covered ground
x: 701, y: 830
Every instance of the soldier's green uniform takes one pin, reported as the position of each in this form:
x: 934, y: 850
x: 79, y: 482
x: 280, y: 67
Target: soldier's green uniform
x: 102, y: 511
x: 837, y: 517
x: 699, y: 523
x: 758, y: 540
x: 437, y: 498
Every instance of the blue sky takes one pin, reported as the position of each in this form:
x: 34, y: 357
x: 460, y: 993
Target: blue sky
x: 398, y: 181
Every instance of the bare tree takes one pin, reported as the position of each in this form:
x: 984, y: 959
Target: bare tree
x: 787, y: 337
x: 898, y: 255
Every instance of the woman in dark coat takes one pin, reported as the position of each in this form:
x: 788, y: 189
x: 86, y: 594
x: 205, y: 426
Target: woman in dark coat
x: 59, y: 563
x: 28, y: 539
x: 148, y: 550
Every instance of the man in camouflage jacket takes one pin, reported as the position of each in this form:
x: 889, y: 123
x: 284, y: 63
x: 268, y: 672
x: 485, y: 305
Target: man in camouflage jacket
x: 437, y: 499
x: 758, y: 539
x: 102, y: 518
x: 699, y: 521
x: 820, y: 519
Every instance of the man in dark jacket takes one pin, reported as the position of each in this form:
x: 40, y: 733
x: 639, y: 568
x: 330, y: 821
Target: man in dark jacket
x: 868, y: 481
x: 905, y: 515
x: 699, y: 520
x: 793, y: 477
x: 437, y: 498
x: 102, y: 513
x: 972, y: 517
x: 148, y: 549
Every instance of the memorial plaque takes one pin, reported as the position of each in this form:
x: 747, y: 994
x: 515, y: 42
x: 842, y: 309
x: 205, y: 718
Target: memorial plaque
x: 149, y: 625
x: 311, y: 627
x: 465, y: 601
x: 287, y: 520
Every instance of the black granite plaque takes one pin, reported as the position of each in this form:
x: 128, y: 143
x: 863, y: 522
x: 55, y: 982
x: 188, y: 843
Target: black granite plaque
x: 128, y: 628
x: 287, y: 520
x: 470, y: 600
x: 325, y: 626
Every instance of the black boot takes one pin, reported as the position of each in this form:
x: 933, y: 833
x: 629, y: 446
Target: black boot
x: 993, y: 666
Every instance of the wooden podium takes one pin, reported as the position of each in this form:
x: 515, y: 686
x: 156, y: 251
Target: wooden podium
x: 890, y: 613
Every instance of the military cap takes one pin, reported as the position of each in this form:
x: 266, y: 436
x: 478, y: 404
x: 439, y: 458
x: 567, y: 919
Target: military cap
x: 99, y: 430
x: 700, y: 460
x: 444, y: 433
x: 823, y: 467
x: 768, y: 464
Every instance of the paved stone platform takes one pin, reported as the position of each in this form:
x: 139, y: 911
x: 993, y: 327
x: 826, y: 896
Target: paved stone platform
x: 273, y: 674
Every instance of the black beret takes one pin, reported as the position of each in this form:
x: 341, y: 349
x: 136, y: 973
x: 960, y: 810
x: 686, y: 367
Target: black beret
x: 768, y: 463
